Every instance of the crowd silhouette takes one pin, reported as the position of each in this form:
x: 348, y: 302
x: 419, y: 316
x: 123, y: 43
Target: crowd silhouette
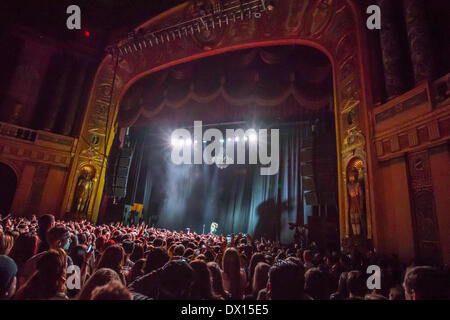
x: 44, y: 259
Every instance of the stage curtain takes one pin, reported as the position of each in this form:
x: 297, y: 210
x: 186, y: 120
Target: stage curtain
x: 238, y: 197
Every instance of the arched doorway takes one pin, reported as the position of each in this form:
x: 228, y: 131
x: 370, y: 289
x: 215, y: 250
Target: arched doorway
x: 334, y: 27
x: 8, y: 185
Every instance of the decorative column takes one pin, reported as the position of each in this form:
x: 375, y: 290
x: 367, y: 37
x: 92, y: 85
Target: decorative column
x: 73, y: 105
x: 419, y: 36
x: 395, y: 77
x: 57, y: 99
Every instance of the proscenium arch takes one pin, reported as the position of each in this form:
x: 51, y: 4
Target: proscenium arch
x: 340, y: 37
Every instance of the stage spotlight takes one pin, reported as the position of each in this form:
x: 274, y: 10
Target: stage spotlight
x: 245, y: 138
x: 236, y: 139
x: 174, y: 142
x: 221, y: 140
x: 229, y: 139
x: 195, y: 141
x: 252, y: 137
x: 188, y: 142
x: 204, y: 141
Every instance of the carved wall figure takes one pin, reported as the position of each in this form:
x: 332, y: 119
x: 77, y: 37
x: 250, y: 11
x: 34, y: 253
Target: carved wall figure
x: 83, y: 190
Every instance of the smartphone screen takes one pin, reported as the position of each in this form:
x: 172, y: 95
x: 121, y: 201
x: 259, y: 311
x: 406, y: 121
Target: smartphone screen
x: 90, y: 248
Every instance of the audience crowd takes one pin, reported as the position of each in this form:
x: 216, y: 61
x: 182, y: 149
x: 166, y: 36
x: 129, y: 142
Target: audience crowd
x: 44, y: 259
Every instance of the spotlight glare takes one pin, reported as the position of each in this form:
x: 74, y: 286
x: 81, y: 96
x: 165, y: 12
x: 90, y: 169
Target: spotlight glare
x: 252, y: 137
x: 229, y: 139
x: 236, y: 139
x: 188, y: 142
x: 195, y: 141
x: 245, y: 138
x: 221, y: 140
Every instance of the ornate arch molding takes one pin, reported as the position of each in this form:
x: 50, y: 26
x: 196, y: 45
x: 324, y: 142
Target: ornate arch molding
x: 332, y: 26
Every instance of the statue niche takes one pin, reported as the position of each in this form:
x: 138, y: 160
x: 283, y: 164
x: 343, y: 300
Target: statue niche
x: 356, y: 200
x: 83, y: 191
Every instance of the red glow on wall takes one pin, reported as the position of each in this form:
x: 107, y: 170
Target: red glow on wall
x: 87, y: 34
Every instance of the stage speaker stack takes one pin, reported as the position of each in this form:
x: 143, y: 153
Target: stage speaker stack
x: 119, y: 185
x: 119, y: 164
x: 319, y: 167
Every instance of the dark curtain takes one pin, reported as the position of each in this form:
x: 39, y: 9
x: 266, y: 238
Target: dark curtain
x: 237, y: 197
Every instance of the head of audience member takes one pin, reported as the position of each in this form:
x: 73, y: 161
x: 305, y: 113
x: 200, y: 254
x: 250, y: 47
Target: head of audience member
x: 175, y: 280
x: 396, y: 293
x: 317, y: 284
x: 138, y: 253
x: 77, y: 254
x: 202, y: 288
x: 100, y: 278
x: 113, y: 290
x: 217, y: 281
x: 45, y: 223
x: 308, y: 258
x: 24, y: 248
x: 99, y: 244
x: 128, y: 247
x: 8, y: 277
x: 156, y: 258
x: 49, y: 281
x: 260, y: 278
x: 286, y: 281
x: 231, y: 266
x: 254, y: 260
x: 374, y: 297
x: 356, y: 285
x: 112, y: 258
x: 178, y: 250
x: 137, y: 270
x: 424, y: 283
x: 6, y: 243
x: 58, y: 237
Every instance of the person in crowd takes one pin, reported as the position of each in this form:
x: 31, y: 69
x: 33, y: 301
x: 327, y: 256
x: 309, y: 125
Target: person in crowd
x: 342, y: 292
x: 234, y: 277
x: 202, y: 288
x: 100, y: 278
x: 374, y: 297
x: 156, y: 258
x: 308, y: 257
x: 136, y: 271
x: 396, y: 293
x: 6, y: 243
x: 138, y: 253
x: 8, y: 278
x: 356, y: 285
x: 317, y: 284
x: 256, y: 258
x: 45, y: 223
x: 286, y: 281
x: 113, y: 290
x: 128, y: 247
x: 171, y: 282
x: 217, y: 282
x: 58, y: 237
x: 113, y: 258
x: 424, y: 283
x: 49, y: 281
x: 259, y: 280
x: 24, y: 248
